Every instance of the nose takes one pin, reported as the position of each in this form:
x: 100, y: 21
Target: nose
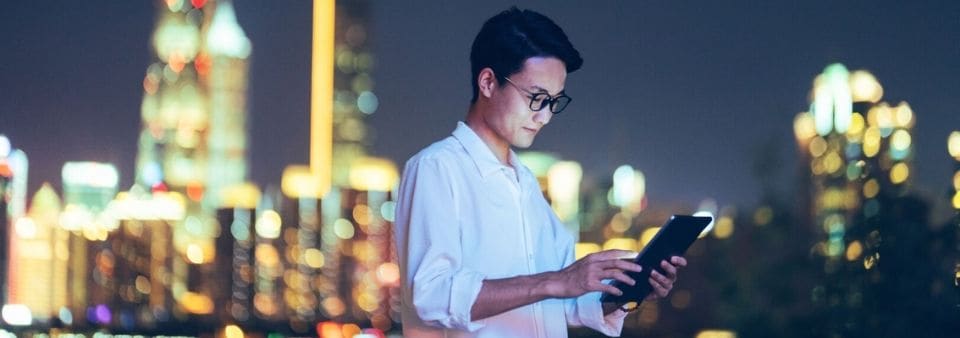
x: 543, y: 116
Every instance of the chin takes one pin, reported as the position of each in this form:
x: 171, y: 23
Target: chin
x: 523, y: 144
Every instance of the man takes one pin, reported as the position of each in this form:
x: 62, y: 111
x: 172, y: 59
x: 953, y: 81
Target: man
x: 481, y: 252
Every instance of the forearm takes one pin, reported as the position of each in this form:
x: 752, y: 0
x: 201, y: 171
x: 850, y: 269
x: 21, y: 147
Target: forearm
x: 501, y: 295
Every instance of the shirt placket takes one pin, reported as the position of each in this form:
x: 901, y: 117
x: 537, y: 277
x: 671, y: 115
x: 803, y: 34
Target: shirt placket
x: 520, y: 200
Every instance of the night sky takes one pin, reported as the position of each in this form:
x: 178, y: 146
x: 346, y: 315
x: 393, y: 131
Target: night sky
x: 691, y: 93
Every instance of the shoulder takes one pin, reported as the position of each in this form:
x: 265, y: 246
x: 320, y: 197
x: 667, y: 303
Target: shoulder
x: 445, y: 151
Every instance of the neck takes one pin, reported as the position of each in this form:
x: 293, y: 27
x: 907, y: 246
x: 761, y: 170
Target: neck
x: 497, y: 145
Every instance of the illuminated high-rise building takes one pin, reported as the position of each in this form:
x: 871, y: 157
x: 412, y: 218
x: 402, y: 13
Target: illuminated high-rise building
x: 353, y: 96
x: 5, y: 225
x: 225, y: 77
x: 88, y: 189
x: 859, y: 153
x: 194, y: 137
x: 39, y: 258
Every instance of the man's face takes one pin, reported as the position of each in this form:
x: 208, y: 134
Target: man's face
x: 512, y: 120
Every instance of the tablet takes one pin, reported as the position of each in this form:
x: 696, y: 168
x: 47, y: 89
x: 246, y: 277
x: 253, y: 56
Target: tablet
x: 673, y: 239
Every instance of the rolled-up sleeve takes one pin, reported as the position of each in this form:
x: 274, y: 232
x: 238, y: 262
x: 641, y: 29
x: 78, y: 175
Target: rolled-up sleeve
x: 586, y: 310
x: 440, y: 289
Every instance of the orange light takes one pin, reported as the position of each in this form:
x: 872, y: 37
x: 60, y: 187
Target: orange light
x: 329, y: 330
x: 195, y: 191
x: 202, y: 64
x: 350, y: 330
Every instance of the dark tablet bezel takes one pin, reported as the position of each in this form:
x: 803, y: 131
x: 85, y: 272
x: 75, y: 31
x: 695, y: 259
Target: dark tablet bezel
x: 673, y: 239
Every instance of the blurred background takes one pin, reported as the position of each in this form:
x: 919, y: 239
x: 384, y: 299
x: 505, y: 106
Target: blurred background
x: 227, y: 168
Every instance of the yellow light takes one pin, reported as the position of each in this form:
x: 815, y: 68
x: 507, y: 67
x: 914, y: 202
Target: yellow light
x: 648, y: 235
x: 871, y: 188
x: 232, y: 331
x: 621, y: 244
x: 240, y: 196
x: 864, y: 87
x: 900, y: 140
x: 321, y: 94
x: 196, y: 303
x: 582, y: 249
x: 195, y: 254
x: 268, y: 225
x: 313, y: 258
x: 956, y: 180
x: 871, y: 141
x: 716, y: 334
x: 724, y: 228
x: 870, y: 261
x: 884, y: 116
x: 956, y: 200
x: 373, y: 174
x: 804, y: 128
x: 362, y: 214
x: 763, y: 216
x: 854, y: 251
x: 953, y: 145
x: 899, y: 173
x: 856, y: 126
x: 832, y: 162
x: 299, y: 182
x: 903, y: 115
x: 818, y: 146
x: 267, y: 255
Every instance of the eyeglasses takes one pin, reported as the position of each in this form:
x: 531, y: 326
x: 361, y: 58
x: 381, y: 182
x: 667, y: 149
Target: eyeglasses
x: 540, y: 100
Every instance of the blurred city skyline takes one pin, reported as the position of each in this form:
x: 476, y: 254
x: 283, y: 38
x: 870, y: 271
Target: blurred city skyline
x: 688, y: 94
x: 816, y: 136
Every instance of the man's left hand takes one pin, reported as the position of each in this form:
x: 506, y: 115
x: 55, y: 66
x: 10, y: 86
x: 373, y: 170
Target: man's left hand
x: 663, y: 284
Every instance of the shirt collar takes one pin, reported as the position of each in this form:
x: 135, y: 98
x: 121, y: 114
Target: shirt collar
x: 480, y: 153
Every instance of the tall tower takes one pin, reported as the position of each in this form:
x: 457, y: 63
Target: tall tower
x: 193, y: 143
x: 859, y: 153
x: 225, y: 78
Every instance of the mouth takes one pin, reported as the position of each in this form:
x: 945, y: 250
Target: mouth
x: 531, y: 130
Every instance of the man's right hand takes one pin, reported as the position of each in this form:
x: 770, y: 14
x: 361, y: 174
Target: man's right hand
x: 587, y: 274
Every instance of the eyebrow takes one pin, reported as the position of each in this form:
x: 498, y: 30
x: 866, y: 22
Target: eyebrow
x: 538, y: 89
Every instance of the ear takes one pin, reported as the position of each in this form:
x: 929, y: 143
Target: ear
x: 487, y: 82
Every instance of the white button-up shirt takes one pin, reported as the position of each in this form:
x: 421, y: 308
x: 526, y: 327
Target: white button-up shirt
x: 462, y: 217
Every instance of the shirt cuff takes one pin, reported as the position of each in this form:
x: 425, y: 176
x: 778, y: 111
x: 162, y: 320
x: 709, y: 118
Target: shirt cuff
x: 591, y: 315
x: 464, y: 289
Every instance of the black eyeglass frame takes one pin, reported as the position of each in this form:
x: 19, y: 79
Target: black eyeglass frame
x: 561, y: 100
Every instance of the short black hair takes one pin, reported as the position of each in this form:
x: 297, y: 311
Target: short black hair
x: 508, y: 39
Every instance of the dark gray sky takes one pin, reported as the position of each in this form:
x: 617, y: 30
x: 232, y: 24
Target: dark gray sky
x: 686, y: 91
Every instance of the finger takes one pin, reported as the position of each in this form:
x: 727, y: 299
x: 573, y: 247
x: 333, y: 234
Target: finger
x: 669, y: 269
x: 660, y: 290
x: 678, y: 261
x: 661, y: 279
x: 620, y: 276
x: 606, y: 288
x: 614, y: 254
x: 622, y: 265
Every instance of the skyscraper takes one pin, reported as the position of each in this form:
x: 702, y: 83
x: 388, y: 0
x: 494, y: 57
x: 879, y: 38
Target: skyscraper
x: 193, y: 140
